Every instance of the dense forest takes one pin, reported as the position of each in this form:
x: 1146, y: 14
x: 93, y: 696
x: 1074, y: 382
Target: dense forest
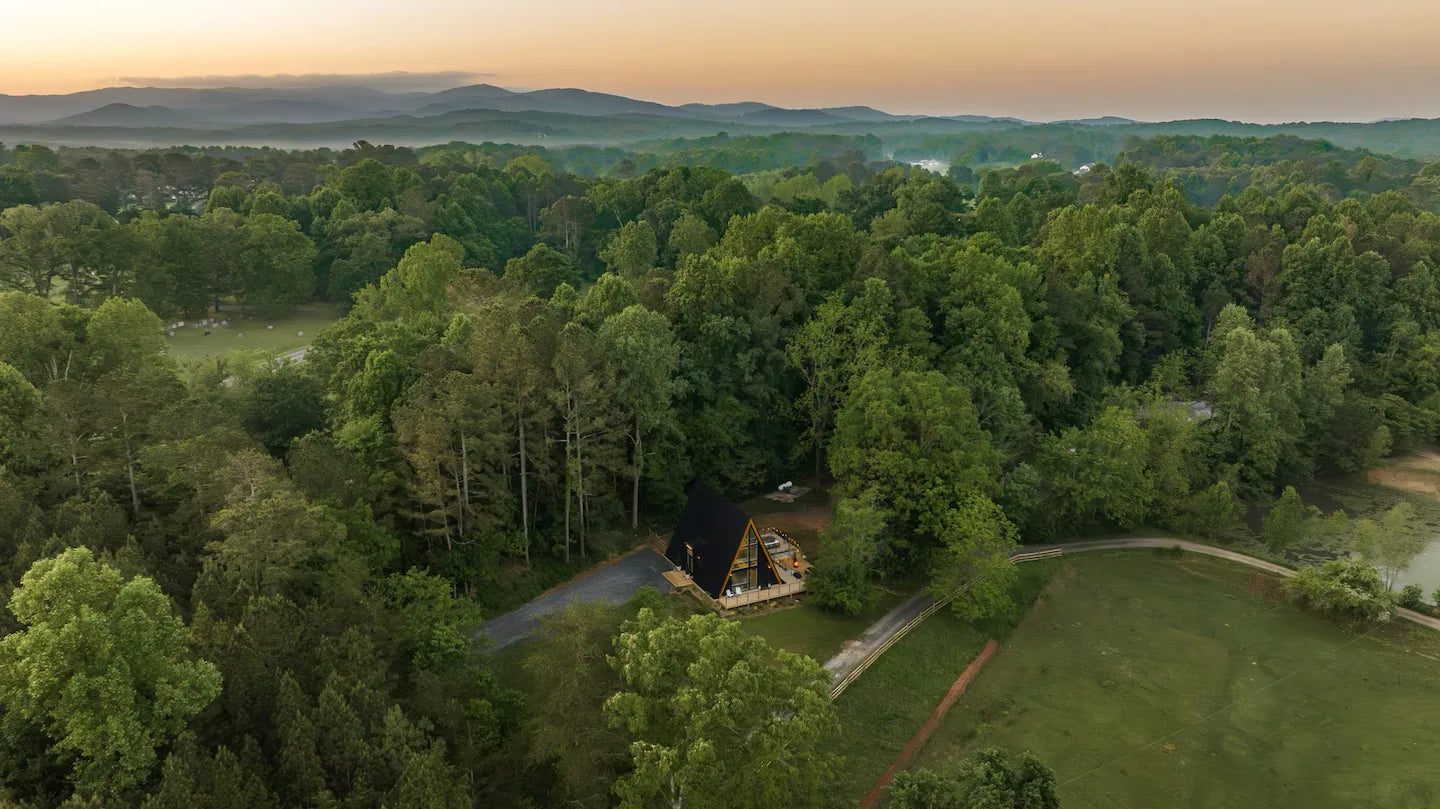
x: 255, y: 585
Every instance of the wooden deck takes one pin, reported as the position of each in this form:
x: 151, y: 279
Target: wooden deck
x: 678, y: 579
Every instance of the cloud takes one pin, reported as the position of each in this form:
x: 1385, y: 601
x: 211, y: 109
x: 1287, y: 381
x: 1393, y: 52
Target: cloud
x: 395, y: 81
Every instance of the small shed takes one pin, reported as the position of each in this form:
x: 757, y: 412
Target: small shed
x: 717, y: 545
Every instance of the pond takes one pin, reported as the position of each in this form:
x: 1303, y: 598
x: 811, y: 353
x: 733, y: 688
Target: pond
x: 1414, y: 477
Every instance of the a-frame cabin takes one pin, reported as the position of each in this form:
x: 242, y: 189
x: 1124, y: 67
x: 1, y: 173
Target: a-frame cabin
x: 717, y: 545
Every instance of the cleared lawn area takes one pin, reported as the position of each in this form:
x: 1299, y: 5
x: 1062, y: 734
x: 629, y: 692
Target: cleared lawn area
x: 808, y: 630
x: 882, y: 709
x: 250, y: 334
x: 1148, y: 680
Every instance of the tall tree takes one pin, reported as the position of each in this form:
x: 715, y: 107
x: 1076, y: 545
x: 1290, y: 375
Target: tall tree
x: 642, y: 349
x: 585, y: 398
x: 913, y: 439
x: 717, y: 718
x: 276, y: 264
x: 102, y: 665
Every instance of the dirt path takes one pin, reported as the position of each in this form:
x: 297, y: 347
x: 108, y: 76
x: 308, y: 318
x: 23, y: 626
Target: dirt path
x: 855, y: 652
x: 918, y: 740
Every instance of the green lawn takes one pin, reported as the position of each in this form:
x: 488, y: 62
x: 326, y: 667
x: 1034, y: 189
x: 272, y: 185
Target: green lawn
x: 1146, y: 680
x: 250, y: 333
x: 808, y: 630
x: 882, y: 709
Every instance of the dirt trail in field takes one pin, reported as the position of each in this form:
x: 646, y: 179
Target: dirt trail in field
x: 918, y: 740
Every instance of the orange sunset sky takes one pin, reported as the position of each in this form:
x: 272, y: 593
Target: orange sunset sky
x: 1258, y: 60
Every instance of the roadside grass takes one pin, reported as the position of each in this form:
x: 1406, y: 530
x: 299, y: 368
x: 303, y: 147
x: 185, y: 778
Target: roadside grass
x: 248, y: 332
x: 882, y: 709
x: 808, y: 630
x: 1153, y: 680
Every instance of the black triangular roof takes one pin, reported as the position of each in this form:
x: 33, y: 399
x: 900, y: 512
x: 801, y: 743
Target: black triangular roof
x: 714, y: 527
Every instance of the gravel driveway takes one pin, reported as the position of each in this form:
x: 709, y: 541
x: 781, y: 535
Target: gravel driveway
x: 613, y: 581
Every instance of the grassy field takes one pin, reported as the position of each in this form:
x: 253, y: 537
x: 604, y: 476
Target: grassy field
x: 1146, y: 680
x: 888, y: 703
x: 808, y: 630
x: 250, y: 333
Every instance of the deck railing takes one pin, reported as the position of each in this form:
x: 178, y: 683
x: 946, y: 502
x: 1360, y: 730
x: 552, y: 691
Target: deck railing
x: 764, y: 594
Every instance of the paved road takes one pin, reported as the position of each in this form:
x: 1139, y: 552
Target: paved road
x: 613, y: 581
x: 298, y: 355
x: 856, y: 651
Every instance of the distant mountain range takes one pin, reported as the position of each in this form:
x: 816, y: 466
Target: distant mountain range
x: 140, y: 107
x: 337, y: 116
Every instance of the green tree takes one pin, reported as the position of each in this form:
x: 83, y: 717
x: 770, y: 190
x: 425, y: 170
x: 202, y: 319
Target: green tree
x: 1286, y: 523
x: 27, y: 259
x: 1256, y: 389
x: 992, y: 779
x: 1099, y: 472
x: 1213, y: 513
x: 273, y: 543
x: 275, y: 264
x: 842, y: 579
x: 541, y: 270
x: 632, y: 251
x: 718, y: 719
x: 973, y: 560
x: 103, y: 666
x: 689, y: 236
x: 838, y: 343
x: 570, y: 682
x: 641, y: 348
x: 369, y: 184
x: 1342, y: 588
x: 1394, y: 542
x: 586, y: 397
x: 913, y: 439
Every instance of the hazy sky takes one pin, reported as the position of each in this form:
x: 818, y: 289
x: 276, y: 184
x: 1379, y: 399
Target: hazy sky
x: 1258, y: 60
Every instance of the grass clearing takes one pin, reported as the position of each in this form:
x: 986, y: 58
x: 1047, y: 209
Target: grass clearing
x: 1152, y: 681
x: 249, y: 333
x: 882, y: 709
x: 808, y: 630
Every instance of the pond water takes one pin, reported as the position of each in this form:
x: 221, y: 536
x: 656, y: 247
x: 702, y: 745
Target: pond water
x: 1414, y: 478
x: 1424, y: 570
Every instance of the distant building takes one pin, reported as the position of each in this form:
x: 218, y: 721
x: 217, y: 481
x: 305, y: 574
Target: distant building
x: 1196, y: 411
